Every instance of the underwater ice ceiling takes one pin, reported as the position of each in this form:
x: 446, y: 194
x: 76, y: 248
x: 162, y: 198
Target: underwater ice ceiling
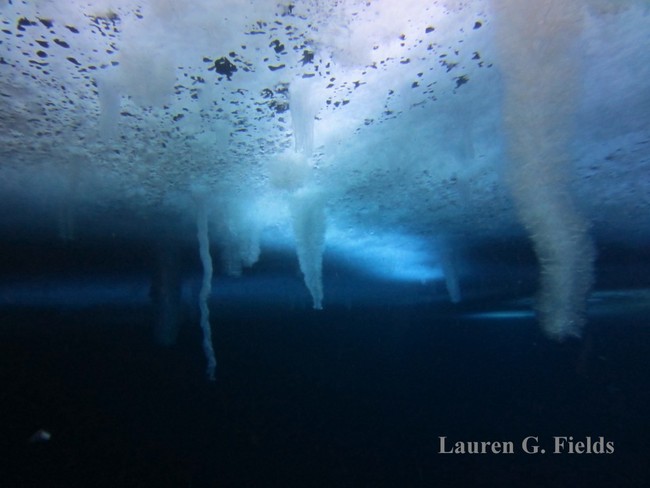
x: 395, y: 135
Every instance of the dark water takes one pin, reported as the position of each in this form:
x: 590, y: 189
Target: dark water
x: 344, y: 397
x: 340, y: 398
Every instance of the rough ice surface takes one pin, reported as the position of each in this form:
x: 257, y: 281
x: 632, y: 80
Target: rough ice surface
x: 407, y: 124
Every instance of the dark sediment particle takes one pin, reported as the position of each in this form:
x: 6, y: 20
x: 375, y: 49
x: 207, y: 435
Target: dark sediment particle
x: 307, y: 57
x: 478, y: 24
x: 24, y: 22
x: 448, y: 65
x: 461, y: 80
x: 223, y: 66
x: 61, y: 43
x: 278, y: 106
x: 277, y: 46
x: 277, y: 67
x: 282, y: 88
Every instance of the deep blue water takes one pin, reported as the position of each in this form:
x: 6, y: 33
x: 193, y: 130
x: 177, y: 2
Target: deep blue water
x: 344, y: 397
x: 337, y: 398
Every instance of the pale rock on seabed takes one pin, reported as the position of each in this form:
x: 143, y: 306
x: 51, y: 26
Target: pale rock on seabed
x: 396, y: 135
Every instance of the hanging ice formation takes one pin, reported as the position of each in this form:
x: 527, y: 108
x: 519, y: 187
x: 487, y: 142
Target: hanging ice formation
x: 541, y: 79
x: 308, y: 216
x: 307, y: 204
x: 303, y: 110
x: 397, y: 99
x: 206, y: 286
x: 239, y: 239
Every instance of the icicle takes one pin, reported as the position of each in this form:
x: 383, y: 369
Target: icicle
x: 308, y: 216
x: 239, y: 239
x: 206, y: 287
x: 541, y: 80
x: 303, y: 110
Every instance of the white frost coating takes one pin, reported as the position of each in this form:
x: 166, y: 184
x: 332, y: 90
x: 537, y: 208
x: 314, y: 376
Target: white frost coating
x: 541, y: 82
x: 240, y: 242
x: 289, y: 171
x: 147, y: 74
x: 206, y: 288
x: 308, y: 218
x: 303, y: 108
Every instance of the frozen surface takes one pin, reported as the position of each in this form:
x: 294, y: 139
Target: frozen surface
x: 396, y: 138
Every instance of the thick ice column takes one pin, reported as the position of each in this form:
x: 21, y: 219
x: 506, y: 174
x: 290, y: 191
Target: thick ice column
x: 540, y: 69
x: 206, y: 287
x: 308, y: 218
x: 303, y: 111
x: 239, y: 238
x: 307, y: 205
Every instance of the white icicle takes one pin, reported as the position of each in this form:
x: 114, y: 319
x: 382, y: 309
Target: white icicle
x: 206, y: 288
x: 303, y: 110
x: 541, y: 76
x: 308, y: 216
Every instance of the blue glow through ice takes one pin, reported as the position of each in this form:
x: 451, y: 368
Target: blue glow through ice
x: 390, y: 256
